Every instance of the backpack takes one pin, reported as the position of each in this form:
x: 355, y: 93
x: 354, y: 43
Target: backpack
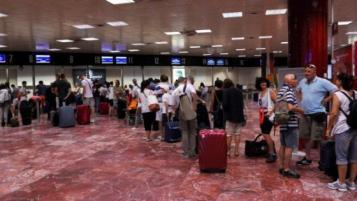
x: 185, y: 109
x: 352, y: 116
x: 281, y: 111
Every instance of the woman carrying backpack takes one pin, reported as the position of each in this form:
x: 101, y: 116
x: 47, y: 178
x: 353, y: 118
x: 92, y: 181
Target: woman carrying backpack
x: 344, y: 131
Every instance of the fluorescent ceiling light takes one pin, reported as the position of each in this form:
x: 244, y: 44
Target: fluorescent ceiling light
x: 90, y: 39
x: 207, y: 54
x: 284, y: 43
x: 54, y: 49
x: 242, y: 56
x: 265, y: 37
x: 195, y: 46
x: 204, y: 31
x: 3, y: 15
x: 276, y: 11
x: 83, y: 26
x: 73, y: 48
x: 238, y: 38
x: 240, y: 49
x: 3, y: 34
x: 351, y: 33
x: 172, y: 33
x: 117, y: 2
x: 3, y: 46
x: 224, y: 53
x: 117, y: 24
x: 65, y: 40
x: 217, y: 45
x: 133, y: 50
x: 343, y: 45
x: 260, y: 48
x: 138, y: 44
x: 161, y: 43
x: 232, y: 14
x: 277, y: 51
x: 164, y: 53
x: 341, y: 23
x: 257, y: 55
x: 183, y: 52
x: 114, y: 51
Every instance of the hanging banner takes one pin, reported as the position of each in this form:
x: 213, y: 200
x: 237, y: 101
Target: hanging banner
x: 93, y: 74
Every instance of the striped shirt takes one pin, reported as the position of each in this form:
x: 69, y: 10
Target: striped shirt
x: 288, y: 94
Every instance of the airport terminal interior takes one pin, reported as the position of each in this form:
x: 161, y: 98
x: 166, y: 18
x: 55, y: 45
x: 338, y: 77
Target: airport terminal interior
x: 160, y: 100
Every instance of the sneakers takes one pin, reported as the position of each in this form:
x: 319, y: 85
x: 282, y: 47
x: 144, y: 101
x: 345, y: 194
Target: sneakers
x: 337, y: 186
x: 271, y: 158
x: 351, y: 185
x: 304, y: 161
x: 290, y: 174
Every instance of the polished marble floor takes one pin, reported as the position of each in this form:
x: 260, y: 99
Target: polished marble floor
x: 110, y: 161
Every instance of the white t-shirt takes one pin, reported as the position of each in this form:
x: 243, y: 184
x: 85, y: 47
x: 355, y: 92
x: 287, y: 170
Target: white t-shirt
x: 190, y: 89
x: 87, y: 86
x: 135, y: 92
x: 341, y: 125
x: 166, y: 100
x: 111, y: 93
x: 143, y: 100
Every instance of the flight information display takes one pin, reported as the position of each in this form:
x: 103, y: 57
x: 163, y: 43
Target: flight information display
x: 176, y: 61
x: 107, y: 60
x: 2, y: 58
x: 121, y: 60
x: 43, y: 59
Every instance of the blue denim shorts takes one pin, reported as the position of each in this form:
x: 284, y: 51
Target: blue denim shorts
x: 346, y: 147
x: 289, y: 138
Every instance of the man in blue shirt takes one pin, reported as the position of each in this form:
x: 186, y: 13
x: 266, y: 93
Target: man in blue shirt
x: 314, y: 92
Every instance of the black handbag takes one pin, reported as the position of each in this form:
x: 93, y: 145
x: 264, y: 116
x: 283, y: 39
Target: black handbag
x: 256, y: 148
x: 319, y: 117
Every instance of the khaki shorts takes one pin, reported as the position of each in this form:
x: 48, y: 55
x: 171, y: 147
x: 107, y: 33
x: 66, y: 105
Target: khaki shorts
x: 310, y: 129
x: 89, y: 101
x: 233, y: 128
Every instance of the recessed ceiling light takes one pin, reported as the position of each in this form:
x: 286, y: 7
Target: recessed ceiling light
x: 284, y: 43
x: 73, y: 48
x: 240, y: 49
x: 164, y: 53
x: 242, y: 56
x: 217, y: 45
x: 114, y: 51
x: 54, y: 49
x: 232, y: 14
x: 83, y: 26
x: 277, y: 51
x: 204, y: 31
x: 3, y: 46
x: 341, y: 23
x: 195, y: 46
x: 183, y: 52
x: 133, y: 50
x: 3, y: 15
x: 260, y: 48
x: 265, y: 37
x: 161, y: 42
x: 276, y: 11
x: 138, y: 44
x: 351, y: 33
x: 224, y: 53
x: 117, y: 2
x: 117, y: 24
x: 238, y: 38
x: 65, y: 40
x: 172, y: 33
x: 257, y: 55
x: 90, y: 39
x: 343, y: 45
x: 3, y: 34
x: 207, y: 54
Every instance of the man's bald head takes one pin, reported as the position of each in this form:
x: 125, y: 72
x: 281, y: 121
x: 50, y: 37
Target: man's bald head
x: 290, y: 79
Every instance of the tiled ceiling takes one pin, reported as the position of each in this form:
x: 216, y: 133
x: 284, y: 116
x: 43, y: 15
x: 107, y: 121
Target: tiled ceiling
x: 34, y: 25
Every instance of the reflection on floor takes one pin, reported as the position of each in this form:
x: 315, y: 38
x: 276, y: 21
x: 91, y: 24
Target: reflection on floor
x: 109, y: 161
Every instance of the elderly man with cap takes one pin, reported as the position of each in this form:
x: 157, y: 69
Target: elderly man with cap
x: 314, y: 92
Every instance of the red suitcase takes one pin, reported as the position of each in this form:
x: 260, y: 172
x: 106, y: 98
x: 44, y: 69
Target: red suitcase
x: 103, y: 108
x: 212, y: 150
x: 83, y: 114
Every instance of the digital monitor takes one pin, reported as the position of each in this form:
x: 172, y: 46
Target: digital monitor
x: 121, y: 60
x: 43, y: 59
x: 211, y: 62
x: 176, y: 61
x: 2, y: 58
x: 107, y: 60
x: 220, y: 62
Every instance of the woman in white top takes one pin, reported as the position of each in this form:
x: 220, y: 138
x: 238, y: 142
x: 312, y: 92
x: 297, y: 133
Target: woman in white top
x: 266, y: 101
x: 345, y: 136
x: 148, y: 116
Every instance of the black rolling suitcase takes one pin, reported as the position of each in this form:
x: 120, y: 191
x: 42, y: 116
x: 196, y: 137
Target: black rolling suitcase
x: 26, y: 112
x: 328, y: 158
x: 121, y: 112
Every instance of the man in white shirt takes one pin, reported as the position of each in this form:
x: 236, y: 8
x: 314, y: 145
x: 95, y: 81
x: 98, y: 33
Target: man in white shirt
x: 88, y: 99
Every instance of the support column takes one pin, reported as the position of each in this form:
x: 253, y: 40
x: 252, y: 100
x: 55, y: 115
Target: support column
x: 308, y: 28
x: 263, y: 64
